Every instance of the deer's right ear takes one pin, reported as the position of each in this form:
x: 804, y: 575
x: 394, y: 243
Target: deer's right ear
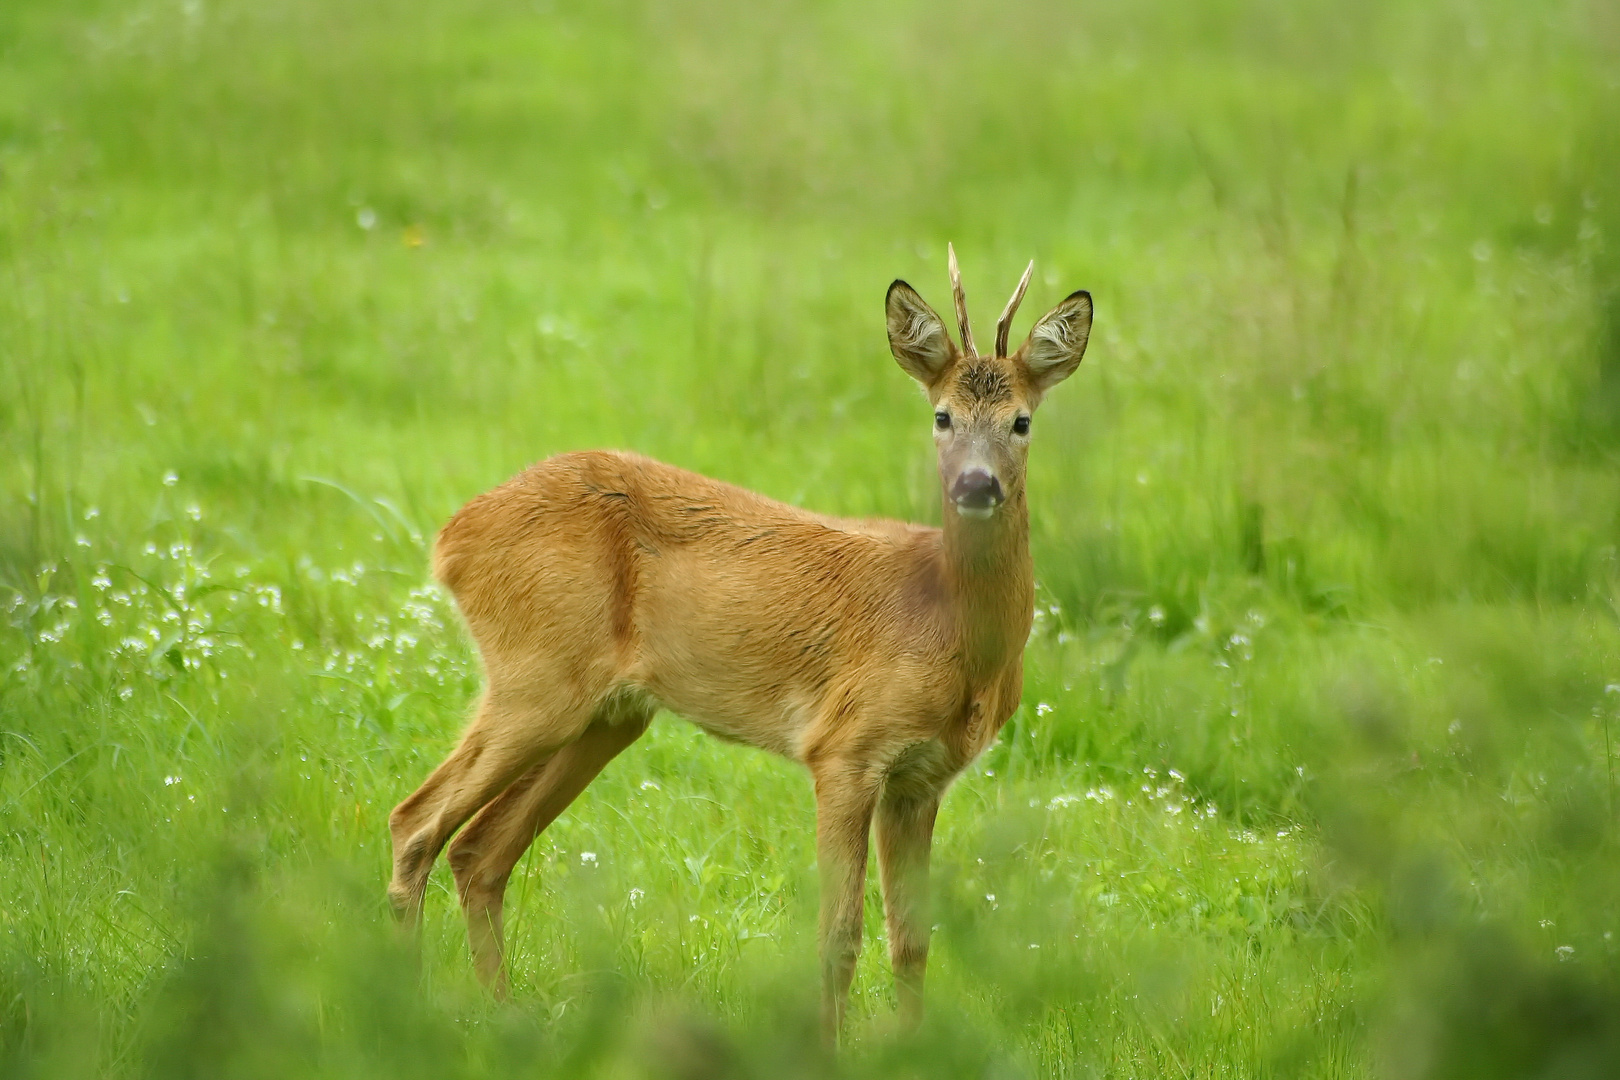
x: 917, y: 336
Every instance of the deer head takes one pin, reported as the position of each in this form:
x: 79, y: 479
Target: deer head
x: 984, y: 405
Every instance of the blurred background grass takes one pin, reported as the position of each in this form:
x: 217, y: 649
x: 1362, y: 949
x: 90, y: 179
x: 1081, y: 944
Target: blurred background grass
x: 1314, y: 775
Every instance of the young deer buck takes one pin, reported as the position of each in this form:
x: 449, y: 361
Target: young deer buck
x: 603, y: 586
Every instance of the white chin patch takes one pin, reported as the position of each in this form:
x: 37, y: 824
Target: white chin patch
x: 978, y: 513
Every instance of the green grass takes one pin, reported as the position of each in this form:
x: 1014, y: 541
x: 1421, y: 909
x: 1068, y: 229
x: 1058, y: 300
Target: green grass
x: 1314, y: 774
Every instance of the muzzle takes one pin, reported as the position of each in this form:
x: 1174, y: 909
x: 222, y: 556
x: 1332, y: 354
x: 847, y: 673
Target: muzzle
x: 976, y: 492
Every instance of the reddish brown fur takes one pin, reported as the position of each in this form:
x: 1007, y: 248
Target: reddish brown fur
x: 600, y: 586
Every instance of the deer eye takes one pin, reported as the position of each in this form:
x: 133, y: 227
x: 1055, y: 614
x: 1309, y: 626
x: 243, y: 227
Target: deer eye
x: 942, y: 420
x: 1021, y: 426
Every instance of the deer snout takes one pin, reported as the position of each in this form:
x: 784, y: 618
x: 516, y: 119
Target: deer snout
x: 976, y: 492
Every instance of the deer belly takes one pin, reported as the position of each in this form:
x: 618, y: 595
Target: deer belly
x: 762, y: 724
x: 716, y: 666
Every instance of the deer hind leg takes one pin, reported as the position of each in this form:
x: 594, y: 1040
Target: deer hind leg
x: 845, y: 797
x: 484, y: 853
x: 512, y: 732
x: 905, y: 833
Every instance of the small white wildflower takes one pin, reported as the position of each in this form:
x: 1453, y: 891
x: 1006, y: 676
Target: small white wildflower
x: 170, y: 781
x: 650, y: 785
x: 1565, y: 952
x: 635, y: 897
x: 587, y: 858
x: 170, y: 478
x: 1043, y: 709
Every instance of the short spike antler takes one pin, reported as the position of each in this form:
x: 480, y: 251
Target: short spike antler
x: 1004, y: 324
x: 961, y: 303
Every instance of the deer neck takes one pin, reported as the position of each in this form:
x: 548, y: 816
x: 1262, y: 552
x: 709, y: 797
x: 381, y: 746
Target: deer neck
x: 991, y: 584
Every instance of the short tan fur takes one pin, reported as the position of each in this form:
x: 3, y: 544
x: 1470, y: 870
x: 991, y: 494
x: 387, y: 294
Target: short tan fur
x: 602, y: 586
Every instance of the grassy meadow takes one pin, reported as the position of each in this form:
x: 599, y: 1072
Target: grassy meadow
x: 1315, y: 773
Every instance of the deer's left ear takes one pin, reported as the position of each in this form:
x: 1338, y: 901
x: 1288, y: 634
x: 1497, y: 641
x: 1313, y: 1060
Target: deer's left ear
x: 1057, y: 342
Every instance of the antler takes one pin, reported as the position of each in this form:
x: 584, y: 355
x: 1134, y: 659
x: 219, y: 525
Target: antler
x: 961, y: 303
x: 1004, y: 324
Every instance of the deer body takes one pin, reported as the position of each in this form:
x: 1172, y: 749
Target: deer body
x: 656, y: 584
x: 601, y: 586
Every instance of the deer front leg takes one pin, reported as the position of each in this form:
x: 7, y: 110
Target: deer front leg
x: 845, y: 797
x: 905, y: 833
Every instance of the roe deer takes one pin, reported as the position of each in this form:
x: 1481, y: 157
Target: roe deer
x: 602, y: 586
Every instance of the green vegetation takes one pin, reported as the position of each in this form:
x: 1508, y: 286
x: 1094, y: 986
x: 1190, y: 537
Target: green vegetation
x: 1315, y: 774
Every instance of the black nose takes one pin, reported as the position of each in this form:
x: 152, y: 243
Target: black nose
x: 977, y: 489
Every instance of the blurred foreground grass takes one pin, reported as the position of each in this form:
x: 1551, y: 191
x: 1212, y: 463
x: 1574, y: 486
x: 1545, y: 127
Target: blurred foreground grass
x: 1314, y: 775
